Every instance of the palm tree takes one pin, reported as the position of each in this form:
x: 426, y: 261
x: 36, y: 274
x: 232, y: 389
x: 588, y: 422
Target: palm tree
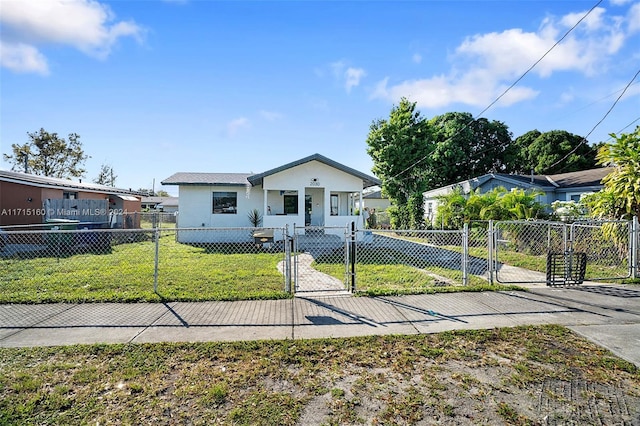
x: 623, y: 183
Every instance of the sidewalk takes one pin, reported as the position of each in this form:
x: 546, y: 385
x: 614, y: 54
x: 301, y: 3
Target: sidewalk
x: 606, y: 314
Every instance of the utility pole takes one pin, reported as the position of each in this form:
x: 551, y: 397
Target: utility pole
x: 26, y: 161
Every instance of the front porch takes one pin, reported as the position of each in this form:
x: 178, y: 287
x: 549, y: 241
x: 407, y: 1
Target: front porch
x: 311, y: 206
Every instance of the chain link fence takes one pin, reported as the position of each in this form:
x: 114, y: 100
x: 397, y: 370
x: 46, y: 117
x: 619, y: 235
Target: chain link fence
x: 168, y: 263
x: 607, y: 246
x: 521, y: 249
x: 158, y: 220
x: 525, y: 249
x: 142, y: 265
x: 408, y: 260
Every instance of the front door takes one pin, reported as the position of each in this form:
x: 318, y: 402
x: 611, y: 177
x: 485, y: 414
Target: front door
x: 314, y: 206
x: 308, y: 207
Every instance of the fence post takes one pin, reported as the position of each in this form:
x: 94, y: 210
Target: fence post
x: 465, y: 254
x: 352, y: 257
x: 156, y: 234
x: 287, y: 259
x: 635, y: 248
x: 294, y: 250
x: 490, y: 241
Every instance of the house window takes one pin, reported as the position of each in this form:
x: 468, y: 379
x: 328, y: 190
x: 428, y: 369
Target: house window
x: 290, y: 204
x: 70, y: 195
x: 225, y: 202
x: 575, y: 197
x: 334, y: 204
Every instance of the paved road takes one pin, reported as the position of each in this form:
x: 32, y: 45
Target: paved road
x: 606, y: 314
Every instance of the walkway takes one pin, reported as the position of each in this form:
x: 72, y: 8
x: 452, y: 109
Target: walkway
x: 607, y: 314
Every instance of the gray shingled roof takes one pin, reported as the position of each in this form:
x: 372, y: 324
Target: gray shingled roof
x: 36, y: 180
x: 591, y: 177
x: 189, y: 178
x: 257, y: 179
x: 583, y: 178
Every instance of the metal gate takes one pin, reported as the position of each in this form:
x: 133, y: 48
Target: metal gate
x: 320, y: 259
x: 529, y: 251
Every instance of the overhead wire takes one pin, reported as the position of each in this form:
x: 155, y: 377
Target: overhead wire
x: 584, y: 139
x: 505, y: 91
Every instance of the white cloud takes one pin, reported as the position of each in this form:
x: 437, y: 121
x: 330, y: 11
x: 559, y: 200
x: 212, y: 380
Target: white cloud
x: 634, y: 18
x: 593, y: 22
x: 349, y: 76
x: 270, y: 115
x: 440, y: 91
x: 234, y: 126
x: 484, y: 65
x: 22, y: 58
x: 86, y: 25
x: 353, y: 77
x: 417, y: 58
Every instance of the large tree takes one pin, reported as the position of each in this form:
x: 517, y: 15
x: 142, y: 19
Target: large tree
x: 553, y: 152
x: 412, y: 154
x: 620, y: 198
x: 399, y: 147
x: 47, y: 154
x: 466, y: 148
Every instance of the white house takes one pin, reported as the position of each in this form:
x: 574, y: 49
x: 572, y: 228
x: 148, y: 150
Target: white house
x: 558, y: 187
x: 312, y: 191
x: 374, y: 200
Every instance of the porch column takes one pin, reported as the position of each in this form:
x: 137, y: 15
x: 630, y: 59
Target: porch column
x: 327, y: 205
x: 361, y: 222
x: 302, y: 213
x: 264, y: 204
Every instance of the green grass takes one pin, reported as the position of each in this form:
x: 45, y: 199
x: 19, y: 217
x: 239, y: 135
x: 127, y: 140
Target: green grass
x: 610, y: 265
x: 539, y: 263
x: 126, y: 274
x: 491, y: 376
x: 384, y: 271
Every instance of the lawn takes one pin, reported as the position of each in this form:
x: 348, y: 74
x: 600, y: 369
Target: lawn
x: 603, y: 259
x: 385, y: 271
x: 126, y: 274
x: 521, y: 376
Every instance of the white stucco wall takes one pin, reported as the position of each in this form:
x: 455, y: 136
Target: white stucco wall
x: 313, y: 178
x: 300, y: 177
x: 196, y: 206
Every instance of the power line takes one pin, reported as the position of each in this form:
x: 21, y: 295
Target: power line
x: 507, y: 89
x: 540, y: 60
x: 628, y: 125
x: 584, y: 139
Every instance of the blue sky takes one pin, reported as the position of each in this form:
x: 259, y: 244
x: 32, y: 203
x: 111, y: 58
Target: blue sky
x: 158, y: 87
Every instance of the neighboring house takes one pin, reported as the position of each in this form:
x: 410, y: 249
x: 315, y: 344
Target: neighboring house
x: 169, y: 205
x: 27, y: 199
x: 313, y: 191
x: 559, y: 187
x: 374, y: 200
x: 160, y: 204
